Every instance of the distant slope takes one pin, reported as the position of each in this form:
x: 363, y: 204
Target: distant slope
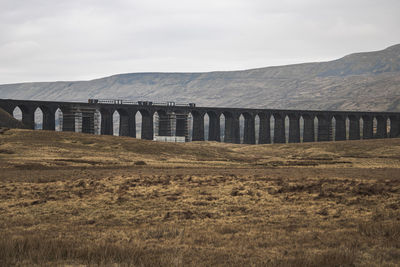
x: 7, y: 121
x: 361, y: 81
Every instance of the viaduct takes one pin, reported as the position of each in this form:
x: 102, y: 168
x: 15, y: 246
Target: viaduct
x: 316, y: 125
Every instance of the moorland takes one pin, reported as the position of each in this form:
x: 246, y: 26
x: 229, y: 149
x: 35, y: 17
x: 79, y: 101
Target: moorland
x: 77, y: 199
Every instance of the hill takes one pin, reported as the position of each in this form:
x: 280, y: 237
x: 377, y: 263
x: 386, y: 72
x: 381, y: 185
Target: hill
x: 8, y: 121
x: 361, y: 81
x: 76, y: 199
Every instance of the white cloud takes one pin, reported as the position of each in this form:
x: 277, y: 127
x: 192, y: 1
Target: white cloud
x: 83, y: 39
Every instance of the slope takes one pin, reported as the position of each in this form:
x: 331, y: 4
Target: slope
x: 361, y: 81
x: 7, y: 121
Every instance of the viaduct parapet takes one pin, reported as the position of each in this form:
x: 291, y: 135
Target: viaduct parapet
x: 274, y: 125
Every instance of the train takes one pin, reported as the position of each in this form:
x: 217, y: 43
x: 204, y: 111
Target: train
x: 139, y: 103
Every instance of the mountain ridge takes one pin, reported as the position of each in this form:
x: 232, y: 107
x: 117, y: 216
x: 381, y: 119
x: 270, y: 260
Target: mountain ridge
x: 358, y: 81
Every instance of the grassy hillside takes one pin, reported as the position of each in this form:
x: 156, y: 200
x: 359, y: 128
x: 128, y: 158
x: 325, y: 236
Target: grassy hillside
x: 362, y: 81
x: 70, y: 199
x: 8, y: 121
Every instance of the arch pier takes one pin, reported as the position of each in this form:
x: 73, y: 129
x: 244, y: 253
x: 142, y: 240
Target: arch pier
x: 264, y: 135
x: 368, y: 127
x: 214, y: 129
x: 294, y: 128
x: 225, y: 124
x: 198, y: 126
x: 309, y: 128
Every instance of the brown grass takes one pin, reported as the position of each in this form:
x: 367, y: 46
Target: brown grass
x: 76, y: 199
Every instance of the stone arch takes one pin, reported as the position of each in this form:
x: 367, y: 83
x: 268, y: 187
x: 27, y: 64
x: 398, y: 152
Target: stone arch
x: 361, y: 127
x: 257, y: 128
x: 241, y: 128
x: 316, y: 125
x: 222, y: 127
x: 17, y: 113
x: 206, y: 126
x: 272, y: 130
x: 374, y: 126
x: 189, y: 122
x: 38, y: 118
x: 347, y: 120
x: 116, y: 122
x: 123, y: 122
x: 28, y: 116
x: 334, y: 128
x: 287, y: 128
x: 58, y: 120
x: 301, y: 127
x: 138, y: 119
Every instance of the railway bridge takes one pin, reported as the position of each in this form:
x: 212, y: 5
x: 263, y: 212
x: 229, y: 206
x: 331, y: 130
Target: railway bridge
x: 273, y: 125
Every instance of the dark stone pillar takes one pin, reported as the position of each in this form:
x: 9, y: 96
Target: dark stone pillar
x: 49, y: 119
x: 236, y: 129
x: 88, y: 122
x: 324, y: 128
x: 249, y: 136
x: 232, y: 128
x: 68, y: 119
x: 308, y: 133
x: 164, y: 124
x: 381, y: 131
x: 394, y: 126
x: 127, y: 123
x: 340, y: 128
x: 279, y: 128
x: 147, y: 125
x: 214, y: 128
x: 123, y: 125
x: 294, y: 128
x: 28, y: 117
x: 107, y: 122
x: 368, y: 127
x: 354, y: 129
x: 264, y: 136
x: 228, y: 129
x: 181, y: 124
x: 198, y: 127
x: 132, y: 124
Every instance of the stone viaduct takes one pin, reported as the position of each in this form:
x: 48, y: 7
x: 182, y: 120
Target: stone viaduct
x: 275, y: 126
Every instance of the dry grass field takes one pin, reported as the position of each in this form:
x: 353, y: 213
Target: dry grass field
x: 75, y: 199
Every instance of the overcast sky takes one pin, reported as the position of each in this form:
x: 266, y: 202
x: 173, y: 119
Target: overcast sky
x: 49, y: 40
